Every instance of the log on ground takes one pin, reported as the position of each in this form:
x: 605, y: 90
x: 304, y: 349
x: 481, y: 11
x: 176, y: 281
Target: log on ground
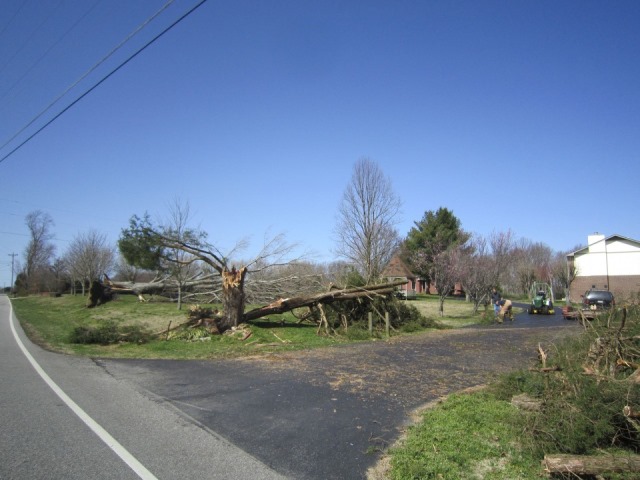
x: 591, y: 465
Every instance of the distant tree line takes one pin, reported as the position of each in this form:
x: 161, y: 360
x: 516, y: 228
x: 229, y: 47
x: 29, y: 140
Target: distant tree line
x: 176, y: 261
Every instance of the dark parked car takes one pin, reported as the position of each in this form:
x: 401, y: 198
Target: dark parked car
x: 595, y: 299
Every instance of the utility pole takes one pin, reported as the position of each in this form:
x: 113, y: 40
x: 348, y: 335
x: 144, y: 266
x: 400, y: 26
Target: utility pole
x: 13, y: 256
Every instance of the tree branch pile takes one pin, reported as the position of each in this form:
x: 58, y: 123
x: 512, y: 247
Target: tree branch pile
x: 612, y: 355
x: 283, y: 305
x: 591, y: 402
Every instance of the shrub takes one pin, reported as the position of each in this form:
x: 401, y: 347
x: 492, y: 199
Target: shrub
x: 104, y: 334
x: 583, y: 402
x: 108, y: 333
x: 357, y: 332
x: 357, y: 311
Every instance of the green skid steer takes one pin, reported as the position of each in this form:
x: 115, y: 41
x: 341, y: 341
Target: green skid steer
x: 541, y: 299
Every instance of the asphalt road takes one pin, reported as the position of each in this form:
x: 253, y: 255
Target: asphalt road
x: 42, y: 438
x: 321, y: 414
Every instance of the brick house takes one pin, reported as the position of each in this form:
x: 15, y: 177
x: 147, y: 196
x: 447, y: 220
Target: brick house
x: 611, y: 263
x: 396, y: 269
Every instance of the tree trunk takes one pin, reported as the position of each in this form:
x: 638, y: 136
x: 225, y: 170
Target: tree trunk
x: 233, y: 297
x: 286, y: 304
x: 591, y: 465
x: 156, y: 286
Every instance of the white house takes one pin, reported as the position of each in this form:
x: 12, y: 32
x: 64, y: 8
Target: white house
x: 611, y: 263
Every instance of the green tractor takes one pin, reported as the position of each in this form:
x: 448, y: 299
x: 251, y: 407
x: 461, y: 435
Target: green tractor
x: 541, y: 299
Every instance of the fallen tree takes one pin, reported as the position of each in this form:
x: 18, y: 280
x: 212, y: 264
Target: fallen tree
x: 279, y: 306
x: 152, y: 247
x: 160, y: 285
x: 287, y: 304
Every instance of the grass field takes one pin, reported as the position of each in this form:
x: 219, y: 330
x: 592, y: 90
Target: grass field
x: 51, y: 321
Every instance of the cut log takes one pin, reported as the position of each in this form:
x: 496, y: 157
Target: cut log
x: 591, y: 465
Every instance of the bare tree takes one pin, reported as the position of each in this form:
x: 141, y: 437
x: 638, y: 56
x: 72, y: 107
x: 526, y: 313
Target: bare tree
x: 60, y: 275
x: 446, y: 270
x: 88, y: 257
x: 293, y: 279
x: 365, y: 231
x: 533, y: 262
x: 39, y: 251
x: 181, y: 266
x: 562, y: 275
x: 502, y: 246
x: 478, y: 271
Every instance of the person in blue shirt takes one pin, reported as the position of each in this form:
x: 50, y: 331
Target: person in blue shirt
x: 495, y: 301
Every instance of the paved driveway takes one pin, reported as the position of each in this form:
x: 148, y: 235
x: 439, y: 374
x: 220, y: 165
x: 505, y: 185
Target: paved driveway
x: 326, y: 414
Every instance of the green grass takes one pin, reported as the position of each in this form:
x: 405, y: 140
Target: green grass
x: 50, y: 322
x: 470, y: 436
x: 457, y: 312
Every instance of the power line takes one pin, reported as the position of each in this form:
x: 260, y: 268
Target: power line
x: 83, y: 76
x: 51, y: 47
x: 12, y: 18
x: 101, y: 81
x: 30, y: 37
x: 14, y: 233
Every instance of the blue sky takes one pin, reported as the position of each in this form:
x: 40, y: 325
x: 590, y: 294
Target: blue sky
x: 521, y: 115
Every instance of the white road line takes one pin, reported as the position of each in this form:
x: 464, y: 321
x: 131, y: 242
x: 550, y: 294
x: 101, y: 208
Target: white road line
x: 111, y: 442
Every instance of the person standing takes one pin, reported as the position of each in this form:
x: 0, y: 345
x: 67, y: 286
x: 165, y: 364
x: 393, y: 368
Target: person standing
x: 505, y: 309
x: 495, y: 301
